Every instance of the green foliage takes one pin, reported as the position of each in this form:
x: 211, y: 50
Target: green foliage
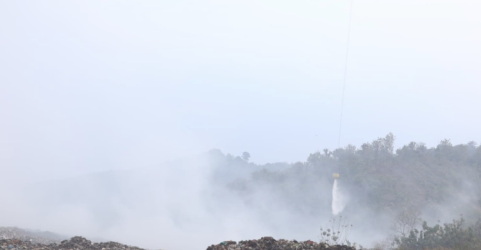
x: 455, y: 235
x: 379, y: 177
x: 246, y: 156
x: 411, y: 176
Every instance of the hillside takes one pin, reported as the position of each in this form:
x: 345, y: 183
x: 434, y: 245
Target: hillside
x: 381, y: 179
x: 387, y: 192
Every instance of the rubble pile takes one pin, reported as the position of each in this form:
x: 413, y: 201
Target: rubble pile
x: 75, y: 243
x: 18, y: 239
x: 82, y: 243
x: 25, y: 235
x: 269, y: 243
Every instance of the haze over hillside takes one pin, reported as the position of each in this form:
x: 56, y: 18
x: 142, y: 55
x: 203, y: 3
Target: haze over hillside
x: 227, y: 197
x: 183, y: 123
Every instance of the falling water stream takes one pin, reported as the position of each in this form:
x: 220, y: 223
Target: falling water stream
x: 338, y: 203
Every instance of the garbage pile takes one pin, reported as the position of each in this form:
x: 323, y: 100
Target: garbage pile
x: 269, y: 243
x: 32, y: 236
x: 75, y: 243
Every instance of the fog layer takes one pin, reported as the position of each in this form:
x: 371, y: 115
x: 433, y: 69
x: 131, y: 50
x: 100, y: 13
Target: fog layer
x: 106, y: 108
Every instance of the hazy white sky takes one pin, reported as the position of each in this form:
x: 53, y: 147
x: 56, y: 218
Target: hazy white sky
x: 95, y: 85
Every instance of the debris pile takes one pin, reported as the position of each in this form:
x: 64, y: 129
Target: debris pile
x: 75, y: 243
x: 44, y: 238
x: 82, y: 243
x: 269, y: 243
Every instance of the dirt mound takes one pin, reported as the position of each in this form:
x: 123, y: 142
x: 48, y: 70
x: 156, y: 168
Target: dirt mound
x: 75, y: 243
x: 269, y: 243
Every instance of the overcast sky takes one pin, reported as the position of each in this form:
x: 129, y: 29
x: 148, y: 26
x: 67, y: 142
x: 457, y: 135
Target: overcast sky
x: 95, y: 85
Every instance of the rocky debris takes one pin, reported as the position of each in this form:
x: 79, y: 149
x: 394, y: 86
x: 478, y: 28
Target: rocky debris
x: 82, y: 243
x: 75, y: 243
x: 269, y: 243
x: 31, y: 236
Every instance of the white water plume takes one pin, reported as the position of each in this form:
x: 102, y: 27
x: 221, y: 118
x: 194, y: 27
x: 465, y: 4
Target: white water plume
x: 338, y: 199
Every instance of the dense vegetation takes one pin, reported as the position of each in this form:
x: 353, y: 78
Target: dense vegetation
x: 389, y: 192
x: 455, y: 236
x: 407, y: 183
x: 412, y: 176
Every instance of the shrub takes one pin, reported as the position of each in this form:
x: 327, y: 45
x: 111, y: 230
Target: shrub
x: 452, y: 236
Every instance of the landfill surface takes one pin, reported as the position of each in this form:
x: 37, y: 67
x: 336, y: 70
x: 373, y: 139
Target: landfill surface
x: 269, y: 243
x: 13, y: 238
x: 19, y: 239
x: 75, y: 243
x: 35, y: 237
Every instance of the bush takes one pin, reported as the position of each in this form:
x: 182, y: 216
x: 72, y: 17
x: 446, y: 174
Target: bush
x: 452, y: 236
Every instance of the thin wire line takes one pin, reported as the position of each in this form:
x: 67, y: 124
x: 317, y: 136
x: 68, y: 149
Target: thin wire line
x: 345, y: 74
